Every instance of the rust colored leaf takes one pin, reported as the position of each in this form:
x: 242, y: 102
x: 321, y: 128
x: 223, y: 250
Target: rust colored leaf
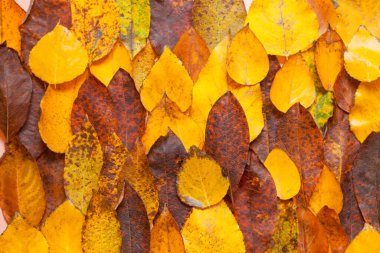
x: 267, y: 140
x: 366, y: 178
x: 169, y: 20
x: 164, y: 159
x: 134, y: 223
x: 256, y: 206
x: 192, y: 50
x: 344, y: 90
x: 312, y: 236
x: 30, y: 135
x: 129, y: 111
x: 51, y: 166
x: 42, y: 18
x: 302, y: 141
x: 336, y: 236
x: 341, y: 145
x: 15, y: 92
x: 350, y: 216
x: 227, y: 137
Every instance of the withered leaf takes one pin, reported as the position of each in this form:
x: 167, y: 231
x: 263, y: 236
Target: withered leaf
x: 344, y: 90
x: 227, y: 137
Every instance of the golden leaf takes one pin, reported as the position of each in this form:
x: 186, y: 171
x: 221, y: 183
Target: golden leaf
x: 58, y: 56
x: 284, y: 173
x: 11, y: 18
x: 326, y: 14
x: 201, y: 182
x: 367, y: 241
x: 142, y: 63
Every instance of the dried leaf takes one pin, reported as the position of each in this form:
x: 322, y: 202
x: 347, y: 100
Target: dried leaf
x: 142, y: 63
x: 9, y: 24
x: 344, y: 90
x: 366, y: 241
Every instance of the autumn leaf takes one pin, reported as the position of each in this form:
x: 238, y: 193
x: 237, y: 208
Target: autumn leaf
x: 142, y: 63
x: 215, y: 19
x: 21, y: 188
x: 67, y: 57
x: 365, y: 241
x: 247, y: 60
x: 200, y: 181
x: 326, y: 14
x: 344, y: 90
x: 9, y: 24
x: 63, y: 229
x: 15, y: 92
x: 280, y: 25
x: 212, y: 229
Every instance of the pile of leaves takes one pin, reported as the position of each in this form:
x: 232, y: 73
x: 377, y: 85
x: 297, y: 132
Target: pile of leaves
x: 190, y: 126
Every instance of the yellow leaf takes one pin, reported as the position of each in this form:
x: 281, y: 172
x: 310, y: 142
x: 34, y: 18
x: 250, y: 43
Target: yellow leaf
x: 201, y: 182
x: 285, y: 27
x: 293, y: 84
x: 83, y: 162
x: 165, y: 235
x: 362, y: 58
x: 284, y: 173
x: 58, y: 56
x: 105, y: 68
x: 250, y: 99
x: 21, y: 188
x: 55, y: 120
x: 63, y: 229
x: 21, y: 237
x: 365, y: 114
x: 367, y: 241
x: 168, y: 116
x: 247, y: 60
x: 141, y: 179
x: 11, y: 18
x: 96, y: 24
x: 168, y: 76
x: 329, y: 58
x: 327, y: 193
x: 212, y: 230
x: 142, y: 63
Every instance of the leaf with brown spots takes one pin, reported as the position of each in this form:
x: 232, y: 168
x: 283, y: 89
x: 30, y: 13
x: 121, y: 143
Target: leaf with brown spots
x: 169, y: 20
x: 51, y: 166
x: 134, y: 223
x: 366, y: 178
x: 15, y: 92
x: 227, y: 137
x: 340, y: 145
x: 336, y: 236
x: 344, y: 90
x: 164, y: 159
x: 129, y: 111
x: 302, y: 141
x: 256, y: 206
x: 29, y: 134
x: 267, y: 140
x: 42, y: 18
x: 192, y: 50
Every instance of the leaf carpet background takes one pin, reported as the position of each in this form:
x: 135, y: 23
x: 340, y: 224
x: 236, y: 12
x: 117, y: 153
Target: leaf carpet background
x: 190, y: 126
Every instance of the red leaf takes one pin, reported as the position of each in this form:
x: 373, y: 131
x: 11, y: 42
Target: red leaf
x: 344, y: 90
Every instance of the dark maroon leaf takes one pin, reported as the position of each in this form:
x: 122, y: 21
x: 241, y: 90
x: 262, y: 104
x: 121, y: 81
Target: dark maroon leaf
x: 165, y: 158
x: 227, y: 137
x: 15, y: 92
x: 169, y: 19
x: 129, y: 111
x: 344, y: 90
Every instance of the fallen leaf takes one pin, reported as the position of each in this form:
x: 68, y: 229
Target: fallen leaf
x: 142, y: 63
x: 326, y: 14
x: 344, y: 90
x: 9, y: 24
x: 365, y: 242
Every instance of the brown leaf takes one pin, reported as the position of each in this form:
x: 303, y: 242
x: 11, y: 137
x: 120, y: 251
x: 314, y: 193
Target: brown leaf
x: 336, y: 236
x: 192, y: 50
x: 43, y: 16
x: 15, y: 92
x: 51, y: 167
x: 312, y: 236
x: 30, y: 135
x: 169, y: 19
x: 129, y: 111
x: 256, y: 206
x: 267, y: 140
x: 302, y: 141
x: 340, y: 145
x: 344, y: 90
x: 134, y: 223
x: 366, y: 178
x: 164, y: 159
x: 227, y: 137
